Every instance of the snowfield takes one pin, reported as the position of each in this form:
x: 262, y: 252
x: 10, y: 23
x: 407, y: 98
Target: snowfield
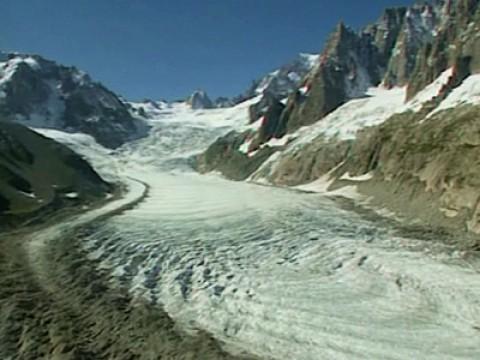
x: 274, y: 272
x: 467, y: 93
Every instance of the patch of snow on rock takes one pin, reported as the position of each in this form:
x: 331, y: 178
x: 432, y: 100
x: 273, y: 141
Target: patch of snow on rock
x: 343, y: 123
x: 430, y: 91
x: 467, y: 93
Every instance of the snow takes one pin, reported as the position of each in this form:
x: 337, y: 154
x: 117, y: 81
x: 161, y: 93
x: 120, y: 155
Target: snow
x: 376, y: 107
x: 294, y: 76
x: 430, y: 91
x: 273, y: 142
x: 151, y: 108
x: 303, y: 90
x: 364, y: 177
x: 8, y: 68
x: 100, y: 157
x: 278, y: 142
x: 45, y: 115
x: 29, y: 195
x: 278, y: 273
x: 71, y: 195
x: 381, y: 103
x: 30, y: 61
x: 467, y: 93
x: 245, y: 146
x: 235, y: 117
x: 357, y: 83
x: 310, y: 59
x: 290, y: 75
x: 320, y: 185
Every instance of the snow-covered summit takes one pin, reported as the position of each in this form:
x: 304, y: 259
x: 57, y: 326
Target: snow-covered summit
x: 41, y: 93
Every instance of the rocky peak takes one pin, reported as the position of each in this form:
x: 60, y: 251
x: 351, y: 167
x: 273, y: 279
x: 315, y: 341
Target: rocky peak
x: 223, y: 102
x: 348, y: 66
x: 418, y: 28
x: 385, y: 31
x: 406, y: 46
x: 455, y: 44
x: 41, y: 93
x: 200, y: 100
x: 285, y: 80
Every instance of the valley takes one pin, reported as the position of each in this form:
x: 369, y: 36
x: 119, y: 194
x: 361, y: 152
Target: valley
x: 258, y: 271
x: 331, y: 210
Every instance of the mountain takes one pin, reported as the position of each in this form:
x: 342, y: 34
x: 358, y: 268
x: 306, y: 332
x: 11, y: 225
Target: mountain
x: 200, y: 100
x: 285, y: 80
x: 407, y: 46
x: 279, y: 84
x: 41, y: 93
x: 223, y: 102
x: 390, y: 109
x: 37, y: 175
x: 148, y: 108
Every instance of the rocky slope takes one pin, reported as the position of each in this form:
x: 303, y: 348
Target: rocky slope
x: 385, y: 111
x: 285, y: 80
x: 38, y: 175
x: 41, y: 93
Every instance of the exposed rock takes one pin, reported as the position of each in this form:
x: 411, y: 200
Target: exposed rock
x: 418, y: 28
x: 386, y: 30
x: 285, y: 80
x: 455, y: 38
x: 224, y: 156
x: 41, y: 93
x: 422, y: 169
x: 348, y: 66
x: 308, y: 163
x: 421, y: 163
x: 223, y: 102
x: 36, y: 172
x: 200, y: 100
x: 406, y: 46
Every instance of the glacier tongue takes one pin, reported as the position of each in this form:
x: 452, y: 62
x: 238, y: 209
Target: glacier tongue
x: 278, y: 273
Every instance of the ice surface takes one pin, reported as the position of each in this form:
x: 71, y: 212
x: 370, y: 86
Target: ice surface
x: 279, y: 273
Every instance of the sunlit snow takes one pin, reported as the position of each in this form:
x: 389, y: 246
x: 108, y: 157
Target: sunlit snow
x: 275, y: 272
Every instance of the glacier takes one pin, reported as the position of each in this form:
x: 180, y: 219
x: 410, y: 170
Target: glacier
x: 279, y: 273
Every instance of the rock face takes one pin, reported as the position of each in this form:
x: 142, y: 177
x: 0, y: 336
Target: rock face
x: 200, y: 100
x: 224, y: 156
x: 41, y: 93
x: 285, y: 80
x: 405, y: 47
x: 37, y: 173
x: 421, y: 161
x: 422, y: 168
x: 455, y: 44
x: 223, y: 102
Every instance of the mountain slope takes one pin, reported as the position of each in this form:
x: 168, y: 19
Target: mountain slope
x: 37, y: 174
x: 41, y: 93
x: 283, y: 81
x: 390, y: 110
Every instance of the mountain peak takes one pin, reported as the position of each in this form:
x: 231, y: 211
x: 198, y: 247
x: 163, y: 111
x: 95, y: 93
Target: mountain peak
x: 200, y: 100
x: 41, y: 93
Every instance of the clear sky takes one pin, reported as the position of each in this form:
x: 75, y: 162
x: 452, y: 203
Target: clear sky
x: 168, y: 48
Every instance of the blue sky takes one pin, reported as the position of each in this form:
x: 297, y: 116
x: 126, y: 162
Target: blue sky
x: 168, y: 48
